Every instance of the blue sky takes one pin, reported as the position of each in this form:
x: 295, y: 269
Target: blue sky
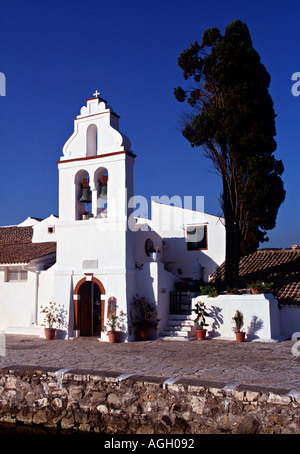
x: 55, y: 54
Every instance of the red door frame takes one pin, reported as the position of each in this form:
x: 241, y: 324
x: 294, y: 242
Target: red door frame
x: 76, y: 297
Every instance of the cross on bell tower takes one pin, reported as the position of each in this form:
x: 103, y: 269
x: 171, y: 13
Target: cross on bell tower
x: 96, y: 94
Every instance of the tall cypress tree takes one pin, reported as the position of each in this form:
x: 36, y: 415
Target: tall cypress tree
x: 233, y: 120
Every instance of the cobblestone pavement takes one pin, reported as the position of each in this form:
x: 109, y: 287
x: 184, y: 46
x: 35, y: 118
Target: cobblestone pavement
x: 264, y: 364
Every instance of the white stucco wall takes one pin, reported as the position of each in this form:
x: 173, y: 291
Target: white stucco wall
x: 104, y: 136
x: 41, y: 230
x: 29, y: 222
x: 17, y: 301
x: 171, y: 224
x: 20, y: 301
x: 261, y: 316
x: 290, y: 319
x: 142, y: 234
x: 155, y: 283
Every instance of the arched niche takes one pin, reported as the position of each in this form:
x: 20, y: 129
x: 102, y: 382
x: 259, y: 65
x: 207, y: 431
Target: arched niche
x: 102, y: 185
x: 92, y: 140
x: 82, y: 193
x: 111, y: 306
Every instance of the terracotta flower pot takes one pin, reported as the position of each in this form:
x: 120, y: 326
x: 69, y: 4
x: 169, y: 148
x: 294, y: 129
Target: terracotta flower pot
x: 201, y: 333
x: 50, y: 333
x: 114, y: 336
x: 142, y: 335
x: 240, y: 337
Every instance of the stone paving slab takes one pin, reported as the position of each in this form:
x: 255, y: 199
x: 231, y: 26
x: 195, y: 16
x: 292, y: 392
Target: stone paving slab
x: 271, y: 365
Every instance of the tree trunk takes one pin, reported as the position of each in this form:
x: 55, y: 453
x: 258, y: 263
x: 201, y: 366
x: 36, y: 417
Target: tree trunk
x: 232, y: 254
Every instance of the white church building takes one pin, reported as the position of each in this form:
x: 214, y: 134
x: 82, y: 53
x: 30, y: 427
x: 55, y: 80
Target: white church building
x: 97, y: 254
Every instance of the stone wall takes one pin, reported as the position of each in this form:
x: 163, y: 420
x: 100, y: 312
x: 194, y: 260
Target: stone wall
x: 104, y: 402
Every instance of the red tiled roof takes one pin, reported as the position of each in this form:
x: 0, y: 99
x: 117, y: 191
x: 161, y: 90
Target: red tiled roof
x: 25, y: 252
x: 280, y: 266
x: 9, y: 235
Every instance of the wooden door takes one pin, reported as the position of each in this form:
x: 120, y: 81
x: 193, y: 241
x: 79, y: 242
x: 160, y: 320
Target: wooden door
x: 85, y: 292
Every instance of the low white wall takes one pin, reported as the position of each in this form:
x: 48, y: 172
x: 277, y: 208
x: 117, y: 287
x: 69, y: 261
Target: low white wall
x: 290, y: 320
x: 261, y: 316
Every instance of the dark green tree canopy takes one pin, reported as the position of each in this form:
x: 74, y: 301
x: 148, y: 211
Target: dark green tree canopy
x: 233, y: 120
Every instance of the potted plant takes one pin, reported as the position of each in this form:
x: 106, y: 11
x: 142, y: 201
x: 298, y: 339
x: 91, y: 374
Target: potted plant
x: 114, y: 326
x: 239, y: 323
x: 200, y: 311
x: 49, y: 319
x: 232, y: 291
x: 85, y: 214
x: 209, y: 290
x: 261, y: 287
x: 155, y: 255
x: 143, y: 317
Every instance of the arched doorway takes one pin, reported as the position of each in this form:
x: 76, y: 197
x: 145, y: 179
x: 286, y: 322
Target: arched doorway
x: 89, y: 308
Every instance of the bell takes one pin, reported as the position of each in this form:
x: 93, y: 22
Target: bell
x: 86, y: 196
x: 103, y: 192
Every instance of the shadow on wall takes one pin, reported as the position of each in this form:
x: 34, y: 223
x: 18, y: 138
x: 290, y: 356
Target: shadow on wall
x: 255, y: 325
x: 145, y: 288
x: 179, y: 260
x: 215, y: 314
x: 62, y: 325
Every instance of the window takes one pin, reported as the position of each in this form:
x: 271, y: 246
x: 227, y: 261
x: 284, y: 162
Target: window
x: 197, y: 238
x: 51, y: 229
x: 17, y: 275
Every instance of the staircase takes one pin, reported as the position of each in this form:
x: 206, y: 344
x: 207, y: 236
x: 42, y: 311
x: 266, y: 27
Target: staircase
x: 179, y: 327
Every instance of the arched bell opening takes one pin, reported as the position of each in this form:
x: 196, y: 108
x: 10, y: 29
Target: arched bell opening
x: 92, y: 140
x: 83, y: 195
x: 101, y: 183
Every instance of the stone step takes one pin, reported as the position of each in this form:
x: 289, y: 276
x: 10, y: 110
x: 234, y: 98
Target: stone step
x: 180, y: 323
x: 176, y: 331
x: 181, y: 317
x: 179, y: 338
x: 179, y: 327
x: 177, y: 334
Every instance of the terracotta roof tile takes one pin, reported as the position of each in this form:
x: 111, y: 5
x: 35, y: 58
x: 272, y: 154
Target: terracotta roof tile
x: 24, y: 252
x: 280, y: 266
x: 15, y: 234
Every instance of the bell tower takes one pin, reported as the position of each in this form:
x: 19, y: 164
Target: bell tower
x: 94, y: 240
x: 91, y: 176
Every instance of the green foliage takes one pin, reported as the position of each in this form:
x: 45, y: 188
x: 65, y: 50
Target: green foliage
x: 143, y: 315
x: 209, y: 290
x: 200, y: 311
x: 233, y: 121
x: 51, y: 315
x: 238, y: 321
x: 262, y: 287
x: 115, y: 323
